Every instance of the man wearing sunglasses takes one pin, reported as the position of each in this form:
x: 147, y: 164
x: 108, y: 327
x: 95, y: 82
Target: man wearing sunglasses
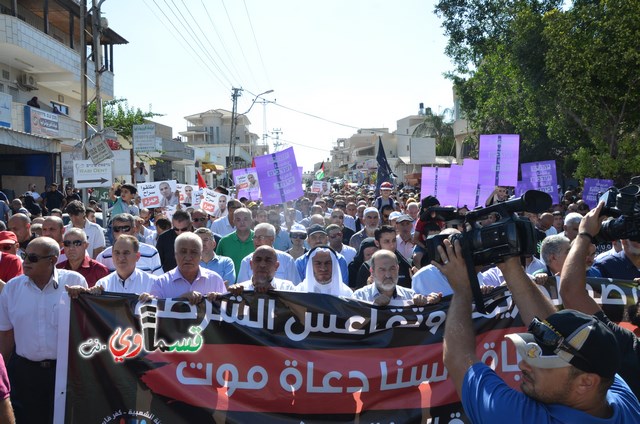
x: 569, y: 359
x: 149, y: 257
x: 574, y: 295
x: 181, y: 223
x: 29, y: 323
x: 75, y: 246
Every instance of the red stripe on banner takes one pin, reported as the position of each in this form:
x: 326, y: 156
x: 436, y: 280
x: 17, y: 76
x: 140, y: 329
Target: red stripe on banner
x: 272, y: 379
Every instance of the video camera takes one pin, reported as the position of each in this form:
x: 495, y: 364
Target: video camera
x: 511, y: 235
x: 623, y: 205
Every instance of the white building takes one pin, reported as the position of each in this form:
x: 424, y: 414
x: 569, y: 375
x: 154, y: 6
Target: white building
x: 40, y: 57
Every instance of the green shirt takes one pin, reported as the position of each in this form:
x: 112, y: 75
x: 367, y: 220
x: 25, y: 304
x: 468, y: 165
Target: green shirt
x: 232, y: 247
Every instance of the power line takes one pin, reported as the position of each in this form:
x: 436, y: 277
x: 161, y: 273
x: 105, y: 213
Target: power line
x: 222, y: 83
x: 299, y: 144
x: 256, y: 41
x: 238, y: 41
x: 222, y: 43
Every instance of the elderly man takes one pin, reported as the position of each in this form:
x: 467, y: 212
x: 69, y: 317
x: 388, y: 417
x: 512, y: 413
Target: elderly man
x: 385, y: 290
x: 29, y: 323
x: 569, y: 360
x: 126, y: 278
x: 264, y: 235
x: 238, y: 244
x: 20, y: 225
x: 188, y: 279
x: 371, y: 218
x: 323, y: 274
x: 264, y: 265
x: 181, y: 222
x: 225, y: 225
x: 223, y: 265
x: 404, y: 238
x: 571, y: 224
x: 149, y: 258
x: 385, y: 238
x: 95, y: 235
x: 199, y: 219
x: 317, y: 236
x: 75, y: 245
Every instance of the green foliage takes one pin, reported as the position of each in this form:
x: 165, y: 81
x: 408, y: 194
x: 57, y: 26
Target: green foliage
x: 566, y: 80
x: 440, y: 127
x: 120, y: 116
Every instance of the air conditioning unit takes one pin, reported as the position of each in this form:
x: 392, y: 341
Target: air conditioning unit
x: 28, y: 81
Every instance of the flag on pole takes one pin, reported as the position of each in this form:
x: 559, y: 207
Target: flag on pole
x: 201, y: 182
x: 320, y: 172
x: 384, y: 170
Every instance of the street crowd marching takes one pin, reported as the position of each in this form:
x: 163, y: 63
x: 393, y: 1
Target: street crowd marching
x: 576, y: 364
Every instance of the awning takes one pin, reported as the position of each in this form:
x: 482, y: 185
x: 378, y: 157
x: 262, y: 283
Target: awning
x: 213, y: 168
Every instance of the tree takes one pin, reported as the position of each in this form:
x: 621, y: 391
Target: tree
x: 565, y: 80
x: 120, y: 116
x: 440, y: 127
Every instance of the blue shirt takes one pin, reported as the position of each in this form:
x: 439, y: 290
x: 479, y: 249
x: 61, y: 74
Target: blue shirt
x: 486, y: 398
x: 617, y: 266
x: 282, y: 241
x: 223, y: 266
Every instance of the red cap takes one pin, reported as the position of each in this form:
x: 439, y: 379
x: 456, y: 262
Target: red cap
x: 8, y: 237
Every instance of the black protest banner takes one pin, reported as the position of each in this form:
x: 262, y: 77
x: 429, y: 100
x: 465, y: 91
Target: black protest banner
x: 280, y: 357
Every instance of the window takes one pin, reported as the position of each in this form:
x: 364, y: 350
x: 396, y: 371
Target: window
x: 61, y: 107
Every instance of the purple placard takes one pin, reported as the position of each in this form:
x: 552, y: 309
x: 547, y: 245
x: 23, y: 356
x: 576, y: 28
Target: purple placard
x: 499, y: 155
x: 542, y: 176
x: 522, y: 187
x: 434, y: 181
x: 449, y: 197
x: 471, y: 193
x: 592, y: 187
x: 279, y: 177
x: 247, y: 183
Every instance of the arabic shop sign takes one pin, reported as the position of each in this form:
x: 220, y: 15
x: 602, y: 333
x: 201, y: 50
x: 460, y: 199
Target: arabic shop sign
x: 39, y: 122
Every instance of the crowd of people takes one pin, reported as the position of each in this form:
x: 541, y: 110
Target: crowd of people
x: 575, y: 363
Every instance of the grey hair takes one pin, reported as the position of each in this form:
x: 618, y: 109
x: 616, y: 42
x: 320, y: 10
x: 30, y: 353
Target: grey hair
x: 184, y: 237
x: 125, y: 217
x: 551, y: 246
x: 204, y: 230
x: 76, y: 232
x: 572, y: 218
x: 266, y: 226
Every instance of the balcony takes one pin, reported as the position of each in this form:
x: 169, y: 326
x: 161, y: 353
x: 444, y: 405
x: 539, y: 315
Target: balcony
x: 67, y: 128
x: 175, y: 150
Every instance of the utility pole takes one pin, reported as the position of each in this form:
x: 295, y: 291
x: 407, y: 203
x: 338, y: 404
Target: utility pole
x: 236, y: 92
x: 276, y: 143
x: 264, y: 124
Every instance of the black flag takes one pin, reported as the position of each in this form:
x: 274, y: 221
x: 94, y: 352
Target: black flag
x: 384, y: 170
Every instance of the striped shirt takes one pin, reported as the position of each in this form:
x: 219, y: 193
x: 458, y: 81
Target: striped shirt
x: 149, y: 259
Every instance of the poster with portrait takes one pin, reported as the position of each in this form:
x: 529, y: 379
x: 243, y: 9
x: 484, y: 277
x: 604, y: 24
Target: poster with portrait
x: 189, y: 194
x: 321, y: 187
x: 210, y: 201
x: 247, y: 183
x: 158, y: 194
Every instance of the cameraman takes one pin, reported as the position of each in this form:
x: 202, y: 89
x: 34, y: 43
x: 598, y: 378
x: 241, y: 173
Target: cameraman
x: 574, y: 295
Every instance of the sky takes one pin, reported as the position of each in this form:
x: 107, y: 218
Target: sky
x: 359, y: 64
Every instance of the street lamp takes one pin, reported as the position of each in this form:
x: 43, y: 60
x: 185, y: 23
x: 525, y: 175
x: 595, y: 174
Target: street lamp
x: 234, y: 124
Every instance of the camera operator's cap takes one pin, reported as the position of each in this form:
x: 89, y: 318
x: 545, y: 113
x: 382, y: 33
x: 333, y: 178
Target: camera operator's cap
x: 8, y: 237
x: 429, y: 201
x: 316, y: 228
x: 568, y: 338
x: 404, y: 217
x: 386, y: 186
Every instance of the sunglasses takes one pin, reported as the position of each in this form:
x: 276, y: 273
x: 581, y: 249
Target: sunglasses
x: 7, y: 246
x: 547, y: 336
x: 76, y: 243
x: 298, y: 236
x: 32, y: 257
x: 199, y: 219
x: 122, y: 229
x: 181, y: 230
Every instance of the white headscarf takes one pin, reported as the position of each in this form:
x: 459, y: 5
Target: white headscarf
x: 336, y: 287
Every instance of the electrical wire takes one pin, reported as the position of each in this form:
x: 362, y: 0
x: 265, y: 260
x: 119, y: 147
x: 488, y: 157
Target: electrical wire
x: 238, y: 41
x: 264, y: 68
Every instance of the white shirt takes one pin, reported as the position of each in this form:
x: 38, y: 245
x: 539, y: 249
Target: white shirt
x: 342, y: 288
x: 286, y: 271
x: 348, y: 252
x: 33, y: 313
x: 430, y: 280
x: 222, y: 227
x: 138, y: 282
x: 95, y: 236
x: 149, y: 259
x: 276, y: 283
